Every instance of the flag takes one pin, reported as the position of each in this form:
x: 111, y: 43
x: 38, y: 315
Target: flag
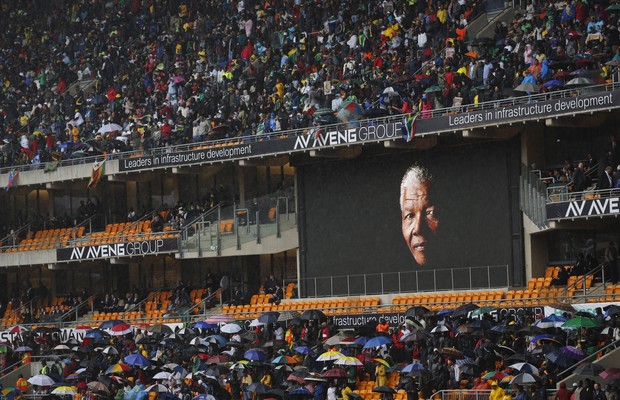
x: 96, y: 174
x: 408, y: 128
x: 12, y: 177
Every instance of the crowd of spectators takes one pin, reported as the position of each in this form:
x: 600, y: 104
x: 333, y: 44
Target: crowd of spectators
x: 179, y: 72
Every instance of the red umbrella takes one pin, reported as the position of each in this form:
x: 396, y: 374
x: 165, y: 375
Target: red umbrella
x: 610, y: 374
x: 219, y: 359
x: 121, y: 329
x: 335, y: 373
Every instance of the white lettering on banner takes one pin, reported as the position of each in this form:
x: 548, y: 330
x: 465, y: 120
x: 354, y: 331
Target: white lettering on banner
x: 187, y: 157
x: 597, y: 207
x: 322, y: 138
x: 535, y: 109
x: 117, y: 250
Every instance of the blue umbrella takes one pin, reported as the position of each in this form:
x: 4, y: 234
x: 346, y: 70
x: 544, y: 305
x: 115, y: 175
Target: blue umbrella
x: 95, y: 334
x: 362, y: 340
x: 535, y: 339
x: 302, y: 391
x: 413, y: 367
x: 137, y: 360
x: 303, y: 350
x: 554, y: 83
x: 254, y: 355
x: 110, y: 324
x: 501, y: 328
x: 217, y: 339
x: 445, y: 312
x: 377, y: 341
x: 204, y: 325
x: 204, y: 396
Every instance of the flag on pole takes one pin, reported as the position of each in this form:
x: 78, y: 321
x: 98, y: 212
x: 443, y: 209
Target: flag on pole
x: 96, y: 174
x: 12, y: 177
x: 409, y: 125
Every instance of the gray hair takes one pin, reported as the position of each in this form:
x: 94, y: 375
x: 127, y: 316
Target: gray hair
x: 414, y: 174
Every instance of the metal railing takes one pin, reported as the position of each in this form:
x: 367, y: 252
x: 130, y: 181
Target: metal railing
x: 76, y: 310
x: 580, y: 283
x: 202, y: 305
x: 14, y: 238
x: 532, y: 196
x: 553, y: 196
x: 436, y: 113
x: 484, y: 277
x: 471, y: 394
x: 590, y: 358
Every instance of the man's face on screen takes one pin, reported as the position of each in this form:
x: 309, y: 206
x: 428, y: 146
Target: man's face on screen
x: 419, y: 222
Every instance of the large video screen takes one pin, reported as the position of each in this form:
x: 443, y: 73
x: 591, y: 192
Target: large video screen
x: 407, y: 219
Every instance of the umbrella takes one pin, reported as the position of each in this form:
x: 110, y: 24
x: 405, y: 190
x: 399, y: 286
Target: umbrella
x: 614, y: 8
x: 552, y: 321
x: 216, y: 319
x: 160, y: 328
x: 482, y: 311
x: 284, y: 360
x: 300, y: 392
x: 494, y: 375
x: 561, y: 359
x: 61, y: 347
x: 23, y: 349
x: 417, y: 311
x: 383, y: 389
x: 440, y: 329
x: 580, y: 322
x: 348, y: 361
x: 107, y: 128
x: 288, y: 315
x: 580, y: 81
x: 471, y: 54
x: 563, y: 306
x: 465, y: 309
x: 610, y: 374
x: 162, y: 375
x: 589, y: 369
x: 110, y: 350
x: 219, y: 359
x: 303, y: 350
x: 335, y: 373
x: 350, y: 111
x: 204, y: 325
x: 469, y: 369
x: 204, y: 396
x: 96, y: 385
x: 121, y: 329
x: 258, y: 387
x: 178, y: 79
x: 95, y: 334
x: 110, y: 324
x: 527, y: 87
x: 525, y: 367
x: 117, y: 368
x: 538, y: 338
x: 64, y: 391
x: 217, y: 339
x: 254, y: 355
x: 231, y: 328
x: 41, y: 380
x: 573, y: 352
x: 553, y: 83
x: 270, y: 317
x: 451, y: 351
x: 433, y: 89
x: 159, y: 388
x: 18, y: 329
x: 238, y: 367
x: 377, y: 341
x: 313, y: 315
x: 414, y: 337
x: 137, y: 360
x: 523, y: 379
x: 501, y: 329
x: 330, y: 356
x: 12, y: 393
x: 413, y: 367
x: 381, y: 361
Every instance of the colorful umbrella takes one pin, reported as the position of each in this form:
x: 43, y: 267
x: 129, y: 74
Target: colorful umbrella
x: 117, y: 368
x: 330, y: 356
x: 121, y: 329
x: 110, y: 324
x: 382, y: 361
x: 284, y: 360
x: 348, y: 361
x: 64, y: 391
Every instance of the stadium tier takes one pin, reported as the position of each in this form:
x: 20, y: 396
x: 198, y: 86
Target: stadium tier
x: 268, y: 199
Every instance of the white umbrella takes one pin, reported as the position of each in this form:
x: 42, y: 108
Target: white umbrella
x: 159, y: 388
x: 198, y: 342
x: 64, y: 391
x: 62, y: 347
x: 348, y: 361
x: 440, y: 328
x: 110, y: 128
x: 41, y: 380
x: 255, y: 323
x: 110, y: 350
x: 231, y: 328
x: 170, y: 366
x: 162, y: 375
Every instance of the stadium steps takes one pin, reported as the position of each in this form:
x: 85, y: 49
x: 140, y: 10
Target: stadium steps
x: 609, y: 360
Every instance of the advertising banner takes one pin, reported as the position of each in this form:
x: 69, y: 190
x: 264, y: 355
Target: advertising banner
x: 583, y: 208
x: 127, y: 249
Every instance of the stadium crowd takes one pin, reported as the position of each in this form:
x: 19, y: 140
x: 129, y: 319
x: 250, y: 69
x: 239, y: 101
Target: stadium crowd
x: 163, y: 73
x: 288, y: 355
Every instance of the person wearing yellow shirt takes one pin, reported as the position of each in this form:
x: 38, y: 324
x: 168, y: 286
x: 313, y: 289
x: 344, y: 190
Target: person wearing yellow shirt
x: 345, y: 392
x: 266, y: 379
x: 497, y: 393
x: 381, y: 375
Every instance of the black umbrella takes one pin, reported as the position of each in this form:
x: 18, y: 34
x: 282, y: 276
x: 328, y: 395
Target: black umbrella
x: 589, y: 369
x: 469, y: 369
x: 383, y: 389
x: 277, y: 393
x: 414, y: 337
x: 560, y: 358
x: 259, y: 388
x: 313, y: 315
x: 465, y: 309
x: 480, y: 324
x: 531, y: 330
x: 416, y: 311
x: 270, y: 317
